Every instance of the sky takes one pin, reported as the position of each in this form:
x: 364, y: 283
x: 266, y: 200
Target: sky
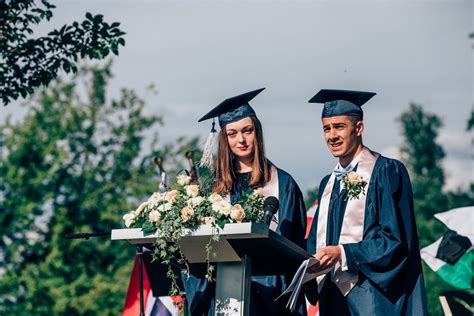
x: 197, y: 53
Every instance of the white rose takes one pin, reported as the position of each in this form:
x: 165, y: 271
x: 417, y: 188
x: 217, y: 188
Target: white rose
x: 237, y: 213
x: 129, y: 219
x: 353, y: 177
x: 155, y: 199
x: 140, y: 209
x: 186, y: 213
x: 195, y: 201
x: 223, y: 207
x: 258, y: 192
x: 154, y: 217
x: 170, y: 196
x: 215, y: 197
x: 183, y: 179
x: 164, y: 207
x: 208, y: 220
x: 192, y: 190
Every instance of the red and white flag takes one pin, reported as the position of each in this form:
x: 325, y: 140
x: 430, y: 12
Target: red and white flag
x: 154, y: 306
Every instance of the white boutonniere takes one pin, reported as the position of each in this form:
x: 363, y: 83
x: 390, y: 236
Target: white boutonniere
x: 353, y: 184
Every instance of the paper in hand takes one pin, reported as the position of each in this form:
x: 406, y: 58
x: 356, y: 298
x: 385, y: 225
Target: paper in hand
x: 308, y: 270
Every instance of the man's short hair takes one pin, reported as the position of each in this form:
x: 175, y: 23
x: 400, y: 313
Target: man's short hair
x: 355, y: 119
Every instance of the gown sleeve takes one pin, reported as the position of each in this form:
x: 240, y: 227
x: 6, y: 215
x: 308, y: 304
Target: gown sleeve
x: 199, y: 294
x: 292, y: 211
x: 390, y: 234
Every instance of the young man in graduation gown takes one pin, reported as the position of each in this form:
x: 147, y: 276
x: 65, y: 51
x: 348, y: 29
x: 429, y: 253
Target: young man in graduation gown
x: 364, y: 227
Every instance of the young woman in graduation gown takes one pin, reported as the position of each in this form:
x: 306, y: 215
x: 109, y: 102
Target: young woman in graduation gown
x: 242, y: 167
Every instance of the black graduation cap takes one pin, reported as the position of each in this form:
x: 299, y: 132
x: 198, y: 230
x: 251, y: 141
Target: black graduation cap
x: 452, y: 247
x: 342, y: 102
x: 230, y: 110
x: 233, y: 109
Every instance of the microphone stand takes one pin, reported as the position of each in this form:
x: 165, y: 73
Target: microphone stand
x: 86, y: 236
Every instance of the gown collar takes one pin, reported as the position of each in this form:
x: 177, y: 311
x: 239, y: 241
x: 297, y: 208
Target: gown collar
x: 340, y: 171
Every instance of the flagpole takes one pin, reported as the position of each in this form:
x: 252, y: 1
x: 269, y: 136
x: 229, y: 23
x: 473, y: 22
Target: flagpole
x: 140, y: 278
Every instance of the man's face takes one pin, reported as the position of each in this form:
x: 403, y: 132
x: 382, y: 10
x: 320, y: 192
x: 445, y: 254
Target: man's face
x: 342, y: 137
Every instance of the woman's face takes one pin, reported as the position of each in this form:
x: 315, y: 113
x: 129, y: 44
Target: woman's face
x: 241, y: 138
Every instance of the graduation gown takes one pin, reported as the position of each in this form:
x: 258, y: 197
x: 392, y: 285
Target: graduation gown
x: 386, y: 260
x: 264, y: 289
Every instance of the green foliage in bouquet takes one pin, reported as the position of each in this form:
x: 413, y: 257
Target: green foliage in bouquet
x: 171, y: 213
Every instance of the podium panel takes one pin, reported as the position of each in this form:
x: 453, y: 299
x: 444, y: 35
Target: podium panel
x: 243, y: 250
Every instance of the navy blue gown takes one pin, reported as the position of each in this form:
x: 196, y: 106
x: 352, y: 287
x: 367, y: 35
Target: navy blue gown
x: 387, y: 259
x: 265, y: 289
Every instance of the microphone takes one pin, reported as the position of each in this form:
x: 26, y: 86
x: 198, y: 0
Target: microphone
x: 193, y: 172
x: 270, y: 207
x: 159, y: 163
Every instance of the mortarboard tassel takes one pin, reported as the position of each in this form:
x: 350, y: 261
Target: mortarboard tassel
x: 206, y: 159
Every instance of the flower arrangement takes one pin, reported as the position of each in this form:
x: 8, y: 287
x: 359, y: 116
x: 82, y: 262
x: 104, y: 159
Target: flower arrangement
x: 353, y: 184
x: 187, y: 207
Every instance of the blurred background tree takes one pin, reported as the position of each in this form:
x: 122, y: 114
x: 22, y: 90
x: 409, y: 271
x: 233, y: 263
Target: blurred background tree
x: 310, y: 197
x: 28, y: 62
x: 423, y: 157
x: 75, y: 163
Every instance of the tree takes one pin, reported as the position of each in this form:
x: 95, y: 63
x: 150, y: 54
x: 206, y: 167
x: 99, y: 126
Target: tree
x: 74, y: 164
x: 311, y: 196
x: 27, y: 63
x: 423, y: 157
x: 470, y: 122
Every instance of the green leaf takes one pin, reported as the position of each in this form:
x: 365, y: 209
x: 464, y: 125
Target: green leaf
x: 98, y: 18
x: 66, y: 67
x: 221, y: 223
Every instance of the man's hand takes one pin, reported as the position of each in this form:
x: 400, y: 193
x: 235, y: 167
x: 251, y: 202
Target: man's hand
x: 328, y: 256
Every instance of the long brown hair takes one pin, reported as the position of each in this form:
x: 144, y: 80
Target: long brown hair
x: 225, y: 174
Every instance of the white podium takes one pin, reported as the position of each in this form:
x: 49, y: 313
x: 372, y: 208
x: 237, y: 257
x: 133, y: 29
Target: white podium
x: 243, y: 250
